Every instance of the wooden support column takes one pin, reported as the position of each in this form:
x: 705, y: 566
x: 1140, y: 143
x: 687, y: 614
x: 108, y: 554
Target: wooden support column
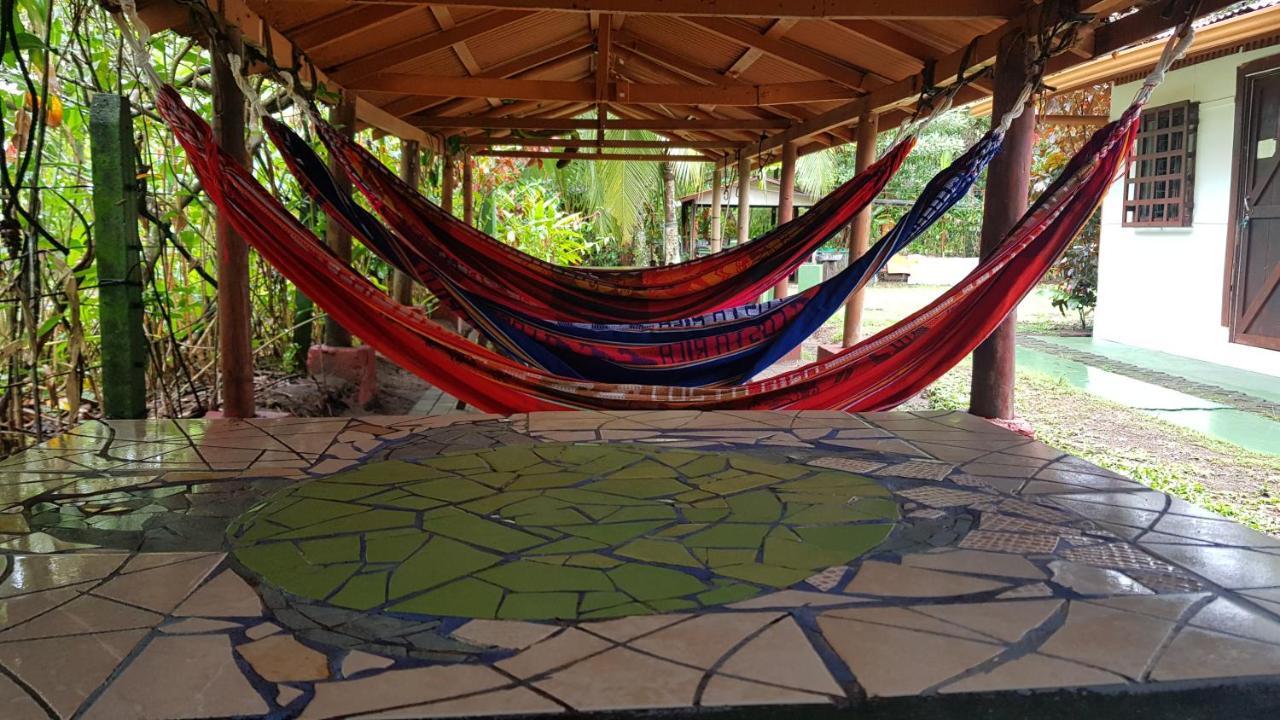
x: 860, y: 228
x: 786, y: 205
x: 115, y: 208
x: 717, y: 199
x: 1008, y: 181
x: 468, y: 191
x: 342, y: 117
x: 410, y: 172
x: 235, y: 349
x: 446, y: 182
x: 744, y: 199
x: 691, y: 250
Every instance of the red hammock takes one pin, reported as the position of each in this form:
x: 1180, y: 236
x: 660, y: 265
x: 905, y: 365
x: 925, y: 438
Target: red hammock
x: 494, y: 271
x: 876, y: 374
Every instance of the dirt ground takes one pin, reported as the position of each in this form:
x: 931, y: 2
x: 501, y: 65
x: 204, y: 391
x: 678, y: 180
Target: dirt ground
x: 398, y: 391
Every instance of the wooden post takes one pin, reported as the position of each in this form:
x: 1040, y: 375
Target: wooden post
x: 468, y: 192
x: 342, y: 117
x: 786, y: 204
x: 860, y: 229
x: 446, y: 182
x: 744, y: 200
x: 1008, y: 180
x: 115, y: 209
x: 717, y: 199
x: 235, y: 348
x: 410, y: 172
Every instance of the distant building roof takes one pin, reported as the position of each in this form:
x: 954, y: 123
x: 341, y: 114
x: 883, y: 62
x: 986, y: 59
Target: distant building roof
x: 757, y: 196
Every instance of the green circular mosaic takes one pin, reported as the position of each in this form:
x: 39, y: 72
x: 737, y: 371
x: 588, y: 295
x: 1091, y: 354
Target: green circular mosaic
x: 560, y: 531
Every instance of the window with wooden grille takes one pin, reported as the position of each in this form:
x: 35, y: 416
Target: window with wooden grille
x: 1161, y: 173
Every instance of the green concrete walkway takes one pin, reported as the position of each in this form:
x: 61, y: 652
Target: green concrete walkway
x: 1232, y: 405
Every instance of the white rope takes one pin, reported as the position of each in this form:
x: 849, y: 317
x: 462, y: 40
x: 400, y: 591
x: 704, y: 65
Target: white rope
x: 252, y: 99
x: 1174, y: 49
x: 137, y: 36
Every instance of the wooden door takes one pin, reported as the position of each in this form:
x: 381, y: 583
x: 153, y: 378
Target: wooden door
x: 1254, y: 310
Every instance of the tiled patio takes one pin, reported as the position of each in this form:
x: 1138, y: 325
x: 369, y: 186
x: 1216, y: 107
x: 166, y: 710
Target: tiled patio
x: 771, y: 564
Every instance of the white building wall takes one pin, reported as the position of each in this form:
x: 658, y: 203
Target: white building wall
x: 1161, y: 288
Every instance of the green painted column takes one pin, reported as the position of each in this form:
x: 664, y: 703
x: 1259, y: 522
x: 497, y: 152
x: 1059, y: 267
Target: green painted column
x: 115, y: 207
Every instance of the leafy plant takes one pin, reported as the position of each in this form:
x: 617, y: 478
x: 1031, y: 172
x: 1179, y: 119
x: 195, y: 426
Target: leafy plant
x: 530, y: 218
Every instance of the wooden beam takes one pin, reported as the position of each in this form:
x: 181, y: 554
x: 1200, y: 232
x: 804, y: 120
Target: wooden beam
x: 1008, y: 177
x: 804, y: 9
x: 487, y: 141
x: 786, y: 206
x: 776, y: 30
x: 639, y: 157
x: 533, y: 123
x: 343, y: 118
x: 235, y: 336
x: 604, y: 57
x: 614, y: 92
x: 400, y: 53
x: 411, y: 173
x: 860, y: 229
x: 793, y: 53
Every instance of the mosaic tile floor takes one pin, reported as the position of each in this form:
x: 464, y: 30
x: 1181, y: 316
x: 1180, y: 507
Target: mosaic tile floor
x: 770, y: 564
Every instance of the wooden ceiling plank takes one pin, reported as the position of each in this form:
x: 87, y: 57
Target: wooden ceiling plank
x: 888, y: 39
x: 630, y: 157
x: 620, y: 144
x: 790, y: 52
x: 346, y: 24
x: 400, y: 53
x: 776, y: 30
x: 804, y: 9
x: 656, y: 124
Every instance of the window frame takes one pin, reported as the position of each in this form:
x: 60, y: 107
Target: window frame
x: 1157, y: 187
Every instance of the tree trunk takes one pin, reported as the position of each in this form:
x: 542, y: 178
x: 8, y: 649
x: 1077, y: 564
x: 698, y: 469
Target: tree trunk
x: 670, y: 228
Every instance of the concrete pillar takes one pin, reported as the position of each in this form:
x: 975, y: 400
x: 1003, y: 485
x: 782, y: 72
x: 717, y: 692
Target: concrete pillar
x: 860, y: 229
x: 235, y: 345
x: 1008, y: 182
x: 115, y: 208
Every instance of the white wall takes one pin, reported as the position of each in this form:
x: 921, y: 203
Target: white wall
x: 1161, y: 288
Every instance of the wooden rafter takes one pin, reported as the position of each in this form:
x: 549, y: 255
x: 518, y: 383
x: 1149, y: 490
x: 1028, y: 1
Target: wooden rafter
x: 776, y: 30
x: 812, y: 9
x: 629, y: 144
x: 793, y: 53
x: 613, y: 92
x: 641, y: 157
x: 656, y: 124
x: 391, y: 57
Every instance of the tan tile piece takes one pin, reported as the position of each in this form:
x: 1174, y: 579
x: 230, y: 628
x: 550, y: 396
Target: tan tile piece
x: 20, y: 608
x: 568, y: 647
x: 1031, y: 672
x: 1229, y: 617
x: 17, y: 704
x: 976, y: 562
x: 906, y: 619
x: 621, y: 679
x: 704, y: 639
x: 782, y: 655
x: 510, y: 634
x: 160, y: 588
x: 1167, y: 607
x: 148, y: 561
x: 514, y: 701
x: 1119, y: 641
x: 179, y: 677
x: 261, y: 630
x: 884, y: 579
x: 281, y: 658
x: 627, y: 628
x: 226, y: 595
x: 13, y: 523
x: 40, y: 543
x: 286, y: 695
x: 42, y: 572
x: 1006, y: 620
x: 66, y: 670
x: 358, y: 661
x: 891, y: 662
x: 197, y: 625
x: 727, y: 691
x: 85, y: 614
x: 1199, y: 653
x: 400, y: 689
x: 787, y: 599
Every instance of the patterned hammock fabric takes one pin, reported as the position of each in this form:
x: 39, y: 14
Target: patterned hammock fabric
x: 876, y: 374
x: 720, y: 348
x: 493, y: 271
